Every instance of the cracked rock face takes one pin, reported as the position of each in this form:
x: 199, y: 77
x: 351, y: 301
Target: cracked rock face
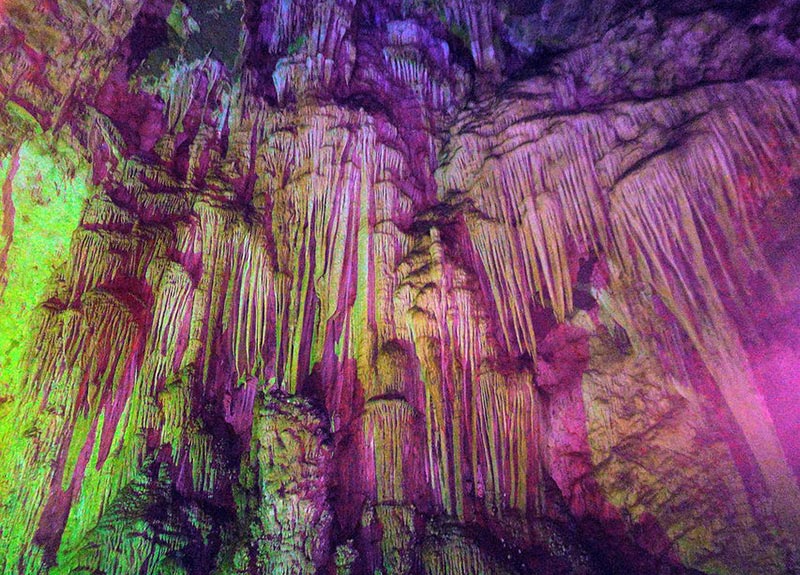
x: 443, y: 287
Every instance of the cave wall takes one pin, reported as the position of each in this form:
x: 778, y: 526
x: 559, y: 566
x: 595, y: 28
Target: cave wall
x: 399, y: 287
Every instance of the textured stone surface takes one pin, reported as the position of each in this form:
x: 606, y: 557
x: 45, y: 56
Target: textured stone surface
x: 399, y: 287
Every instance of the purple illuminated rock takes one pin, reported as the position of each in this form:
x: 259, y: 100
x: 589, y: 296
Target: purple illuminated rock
x: 449, y: 287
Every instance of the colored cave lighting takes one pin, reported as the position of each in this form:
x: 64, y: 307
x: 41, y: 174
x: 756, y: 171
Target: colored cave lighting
x: 438, y: 287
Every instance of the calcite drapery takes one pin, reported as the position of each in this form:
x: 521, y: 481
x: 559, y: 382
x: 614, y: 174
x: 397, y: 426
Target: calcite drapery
x: 441, y: 287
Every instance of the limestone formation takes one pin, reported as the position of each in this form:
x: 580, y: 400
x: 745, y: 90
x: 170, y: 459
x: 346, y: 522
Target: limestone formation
x: 441, y: 287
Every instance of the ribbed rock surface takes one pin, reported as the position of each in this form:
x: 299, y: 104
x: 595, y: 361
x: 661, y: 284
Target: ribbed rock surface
x: 364, y: 287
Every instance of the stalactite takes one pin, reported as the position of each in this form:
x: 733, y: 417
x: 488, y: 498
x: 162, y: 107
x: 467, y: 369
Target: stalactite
x: 102, y: 213
x: 472, y: 21
x: 505, y: 431
x: 380, y: 314
x: 310, y: 69
x: 89, y: 397
x: 645, y: 202
x: 388, y: 429
x: 194, y: 83
x: 441, y: 312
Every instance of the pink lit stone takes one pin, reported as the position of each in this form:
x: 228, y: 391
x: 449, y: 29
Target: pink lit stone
x: 368, y: 287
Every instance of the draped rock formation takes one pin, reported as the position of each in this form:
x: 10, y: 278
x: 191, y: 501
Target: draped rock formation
x: 437, y: 286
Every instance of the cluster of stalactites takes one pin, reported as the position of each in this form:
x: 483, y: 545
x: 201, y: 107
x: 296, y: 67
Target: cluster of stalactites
x: 316, y: 274
x: 319, y: 56
x: 666, y: 193
x: 542, y: 192
x: 291, y: 259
